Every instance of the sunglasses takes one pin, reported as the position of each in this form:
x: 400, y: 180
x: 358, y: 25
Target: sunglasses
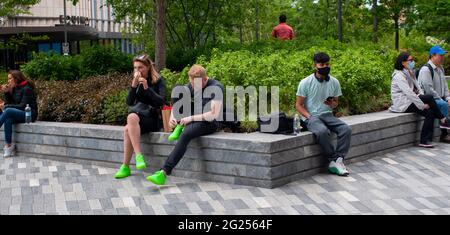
x: 141, y: 57
x: 144, y: 58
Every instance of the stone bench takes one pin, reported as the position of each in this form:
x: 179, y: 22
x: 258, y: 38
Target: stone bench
x: 254, y: 159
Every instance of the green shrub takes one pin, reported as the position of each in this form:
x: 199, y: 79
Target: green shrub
x: 172, y: 79
x: 97, y: 60
x: 3, y: 76
x: 101, y: 60
x: 52, y: 67
x: 364, y: 73
x: 248, y: 126
x: 114, y: 108
x: 81, y: 101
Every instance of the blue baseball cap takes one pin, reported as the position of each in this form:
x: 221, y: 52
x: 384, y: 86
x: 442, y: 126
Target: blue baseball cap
x: 437, y: 50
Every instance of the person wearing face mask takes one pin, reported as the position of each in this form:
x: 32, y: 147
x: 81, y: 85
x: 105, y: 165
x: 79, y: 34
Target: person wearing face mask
x: 432, y: 80
x: 205, y: 96
x: 408, y: 97
x: 317, y: 96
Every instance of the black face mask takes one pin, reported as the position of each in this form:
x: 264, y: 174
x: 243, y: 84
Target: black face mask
x: 325, y: 71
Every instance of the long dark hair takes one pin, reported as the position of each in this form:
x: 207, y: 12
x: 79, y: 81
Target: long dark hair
x: 19, y: 77
x: 400, y: 59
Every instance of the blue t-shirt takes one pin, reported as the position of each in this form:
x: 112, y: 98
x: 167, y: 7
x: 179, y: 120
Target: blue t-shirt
x: 316, y: 93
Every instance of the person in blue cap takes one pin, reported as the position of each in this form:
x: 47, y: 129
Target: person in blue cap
x: 432, y: 80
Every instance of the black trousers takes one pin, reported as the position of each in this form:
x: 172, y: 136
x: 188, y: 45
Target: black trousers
x: 427, y: 132
x: 190, y: 132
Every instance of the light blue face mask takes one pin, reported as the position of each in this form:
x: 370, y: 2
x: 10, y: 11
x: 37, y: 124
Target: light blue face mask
x: 411, y: 65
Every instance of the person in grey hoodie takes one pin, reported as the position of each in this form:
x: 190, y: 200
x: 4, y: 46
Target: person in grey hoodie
x: 432, y: 80
x: 408, y: 97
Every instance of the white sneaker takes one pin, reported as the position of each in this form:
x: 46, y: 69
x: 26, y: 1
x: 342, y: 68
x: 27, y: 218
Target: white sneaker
x: 337, y: 167
x: 8, y: 152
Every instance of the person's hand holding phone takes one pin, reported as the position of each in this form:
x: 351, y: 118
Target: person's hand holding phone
x: 332, y: 102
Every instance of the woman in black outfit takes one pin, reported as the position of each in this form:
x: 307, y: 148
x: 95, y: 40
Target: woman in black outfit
x: 18, y: 93
x: 147, y: 95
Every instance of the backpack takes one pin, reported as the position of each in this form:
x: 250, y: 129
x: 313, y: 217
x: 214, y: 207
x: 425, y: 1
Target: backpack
x: 286, y: 124
x: 429, y: 67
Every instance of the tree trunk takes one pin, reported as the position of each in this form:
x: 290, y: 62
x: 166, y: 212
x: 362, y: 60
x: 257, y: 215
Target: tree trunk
x: 257, y: 26
x: 397, y: 33
x: 340, y: 26
x: 241, y: 35
x: 327, y: 18
x: 375, y: 21
x: 160, y: 39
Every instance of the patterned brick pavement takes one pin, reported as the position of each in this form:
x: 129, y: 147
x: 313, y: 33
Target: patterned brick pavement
x: 410, y: 181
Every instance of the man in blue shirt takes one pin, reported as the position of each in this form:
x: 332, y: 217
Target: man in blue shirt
x: 317, y: 96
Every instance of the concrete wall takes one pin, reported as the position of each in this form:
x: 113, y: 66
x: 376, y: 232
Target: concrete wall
x: 254, y: 159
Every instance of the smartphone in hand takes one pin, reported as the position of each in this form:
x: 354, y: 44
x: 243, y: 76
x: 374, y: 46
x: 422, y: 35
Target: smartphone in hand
x: 329, y: 99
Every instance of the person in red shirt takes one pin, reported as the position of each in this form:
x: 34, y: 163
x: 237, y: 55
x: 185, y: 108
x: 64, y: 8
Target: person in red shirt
x: 283, y: 31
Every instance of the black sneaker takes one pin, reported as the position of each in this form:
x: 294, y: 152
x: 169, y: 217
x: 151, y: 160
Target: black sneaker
x: 427, y: 145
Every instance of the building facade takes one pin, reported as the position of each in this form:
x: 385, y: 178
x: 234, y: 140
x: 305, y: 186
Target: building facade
x: 87, y: 23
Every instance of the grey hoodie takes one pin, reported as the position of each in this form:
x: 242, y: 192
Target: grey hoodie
x: 402, y: 92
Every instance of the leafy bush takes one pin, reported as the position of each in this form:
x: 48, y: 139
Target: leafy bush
x: 88, y: 101
x: 364, y: 73
x: 172, y: 79
x: 100, y: 60
x: 97, y: 60
x: 3, y: 76
x: 114, y: 108
x: 52, y: 67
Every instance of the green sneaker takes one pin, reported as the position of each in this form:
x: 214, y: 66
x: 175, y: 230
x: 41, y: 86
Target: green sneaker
x: 176, y: 133
x: 159, y: 178
x: 123, y: 172
x: 140, y: 162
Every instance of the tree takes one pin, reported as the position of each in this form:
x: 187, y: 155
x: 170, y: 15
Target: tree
x: 15, y: 7
x: 160, y: 42
x: 396, y: 9
x: 375, y: 21
x: 432, y: 17
x: 340, y: 36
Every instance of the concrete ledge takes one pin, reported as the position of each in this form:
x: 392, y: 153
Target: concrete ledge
x: 255, y: 159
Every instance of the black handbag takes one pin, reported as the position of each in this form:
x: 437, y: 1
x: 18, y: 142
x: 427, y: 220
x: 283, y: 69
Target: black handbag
x: 141, y: 108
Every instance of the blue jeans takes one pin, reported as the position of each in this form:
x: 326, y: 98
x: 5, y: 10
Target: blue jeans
x: 443, y: 106
x: 9, y: 117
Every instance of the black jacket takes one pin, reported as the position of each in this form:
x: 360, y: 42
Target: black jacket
x: 20, y: 97
x: 154, y: 96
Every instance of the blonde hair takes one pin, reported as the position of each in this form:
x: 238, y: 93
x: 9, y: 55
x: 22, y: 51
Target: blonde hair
x: 145, y: 59
x: 197, y: 71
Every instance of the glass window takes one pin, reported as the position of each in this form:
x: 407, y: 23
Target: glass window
x: 56, y: 47
x: 44, y: 47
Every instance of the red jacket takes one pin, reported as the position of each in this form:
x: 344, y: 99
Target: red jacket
x: 283, y: 32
